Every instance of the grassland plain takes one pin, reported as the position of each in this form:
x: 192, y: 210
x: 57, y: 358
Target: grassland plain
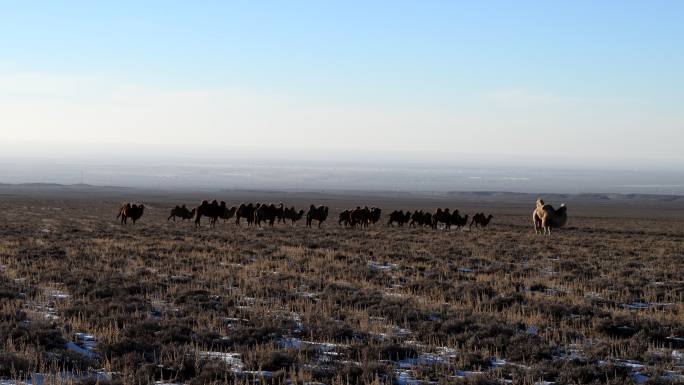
x: 86, y: 300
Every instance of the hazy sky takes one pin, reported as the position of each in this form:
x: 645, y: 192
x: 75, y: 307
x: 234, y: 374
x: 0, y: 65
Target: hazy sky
x: 578, y: 78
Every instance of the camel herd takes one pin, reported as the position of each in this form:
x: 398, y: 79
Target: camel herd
x: 544, y: 216
x: 444, y: 216
x: 254, y: 214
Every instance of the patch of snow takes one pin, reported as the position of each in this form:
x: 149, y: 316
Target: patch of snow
x: 378, y: 266
x: 86, y: 340
x: 441, y: 356
x: 63, y: 378
x: 634, y: 365
x: 405, y: 377
x: 635, y: 306
x: 309, y: 295
x: 554, y: 291
x: 639, y: 378
x: 233, y: 360
x: 58, y: 294
x: 467, y: 373
x: 499, y: 363
x: 296, y: 343
x: 256, y: 373
x: 77, y: 349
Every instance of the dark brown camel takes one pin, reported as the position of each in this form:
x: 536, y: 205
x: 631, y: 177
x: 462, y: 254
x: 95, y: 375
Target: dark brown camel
x: 292, y: 214
x: 319, y: 214
x: 246, y: 211
x: 181, y: 212
x: 212, y: 210
x: 134, y: 212
x: 399, y: 217
x: 480, y: 220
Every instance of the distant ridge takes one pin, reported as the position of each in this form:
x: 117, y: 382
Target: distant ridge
x: 463, y: 195
x: 39, y: 185
x: 557, y: 196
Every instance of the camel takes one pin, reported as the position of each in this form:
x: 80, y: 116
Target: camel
x: 246, y: 211
x: 292, y: 214
x: 268, y: 213
x: 344, y: 218
x: 319, y: 214
x: 458, y: 220
x: 360, y: 217
x: 420, y: 218
x: 227, y: 213
x: 212, y: 210
x: 280, y: 213
x: 181, y: 212
x: 443, y: 216
x: 375, y: 213
x: 134, y: 212
x: 480, y: 220
x: 399, y: 217
x: 416, y: 218
x: 545, y: 217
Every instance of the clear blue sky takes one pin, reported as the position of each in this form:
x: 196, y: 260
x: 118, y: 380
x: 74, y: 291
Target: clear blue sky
x: 604, y: 77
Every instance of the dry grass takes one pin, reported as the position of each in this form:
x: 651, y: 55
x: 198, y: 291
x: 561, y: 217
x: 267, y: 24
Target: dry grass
x: 601, y: 302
